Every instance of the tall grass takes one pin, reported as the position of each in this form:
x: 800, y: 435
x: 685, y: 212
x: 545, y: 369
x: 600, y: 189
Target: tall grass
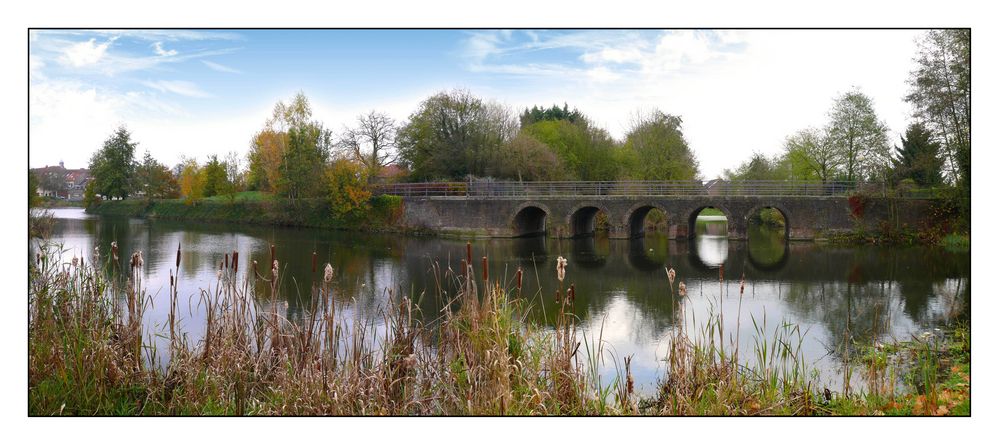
x: 90, y: 352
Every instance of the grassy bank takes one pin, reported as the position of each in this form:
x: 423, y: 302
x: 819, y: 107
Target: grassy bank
x: 480, y: 356
x: 381, y: 213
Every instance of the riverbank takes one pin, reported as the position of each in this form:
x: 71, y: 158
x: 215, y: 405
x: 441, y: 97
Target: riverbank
x: 381, y: 214
x: 481, y: 357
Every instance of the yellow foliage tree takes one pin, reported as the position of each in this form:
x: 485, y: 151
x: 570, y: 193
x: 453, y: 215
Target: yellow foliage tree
x: 348, y: 185
x: 192, y: 181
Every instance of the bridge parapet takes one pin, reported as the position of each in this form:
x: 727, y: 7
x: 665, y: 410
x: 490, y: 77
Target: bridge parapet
x: 559, y: 189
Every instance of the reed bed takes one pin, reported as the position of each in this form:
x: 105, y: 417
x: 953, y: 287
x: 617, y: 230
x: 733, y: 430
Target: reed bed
x: 90, y: 353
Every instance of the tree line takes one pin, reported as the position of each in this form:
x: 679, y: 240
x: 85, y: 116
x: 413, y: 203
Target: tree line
x: 455, y: 135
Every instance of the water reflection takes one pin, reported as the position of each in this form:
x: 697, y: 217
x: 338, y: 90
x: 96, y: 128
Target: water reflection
x: 622, y: 288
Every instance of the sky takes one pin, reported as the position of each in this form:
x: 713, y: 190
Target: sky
x: 199, y: 92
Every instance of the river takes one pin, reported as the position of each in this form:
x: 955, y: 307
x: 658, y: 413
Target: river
x: 623, y: 295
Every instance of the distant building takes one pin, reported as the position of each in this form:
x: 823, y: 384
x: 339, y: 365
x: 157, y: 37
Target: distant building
x: 56, y: 181
x: 390, y: 173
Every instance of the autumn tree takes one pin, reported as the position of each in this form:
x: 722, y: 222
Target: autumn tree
x: 940, y: 93
x: 658, y: 149
x: 192, y: 181
x: 858, y: 137
x: 112, y: 168
x: 348, y: 186
x: 372, y: 142
x: 155, y: 180
x: 269, y: 146
x: 454, y: 134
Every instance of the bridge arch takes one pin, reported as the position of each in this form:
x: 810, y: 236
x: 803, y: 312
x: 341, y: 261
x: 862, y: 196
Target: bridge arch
x: 581, y: 220
x: 530, y: 219
x: 692, y: 218
x: 783, y: 213
x: 634, y: 218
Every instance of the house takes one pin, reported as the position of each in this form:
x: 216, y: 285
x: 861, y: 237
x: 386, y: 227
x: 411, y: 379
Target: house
x: 56, y: 181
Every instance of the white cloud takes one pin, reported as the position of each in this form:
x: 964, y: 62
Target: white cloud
x: 85, y: 53
x: 220, y: 67
x: 737, y: 91
x: 158, y: 48
x: 181, y: 87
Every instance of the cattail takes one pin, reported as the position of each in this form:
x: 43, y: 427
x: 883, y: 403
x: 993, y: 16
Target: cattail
x: 235, y: 260
x: 742, y: 284
x: 571, y: 294
x: 560, y: 268
x: 139, y: 258
x: 671, y: 274
x: 520, y: 278
x: 313, y: 262
x: 114, y: 250
x: 226, y: 260
x: 683, y: 289
x: 178, y: 257
x: 74, y: 260
x: 328, y: 276
x: 255, y: 268
x: 485, y: 270
x: 274, y: 270
x: 468, y: 252
x: 721, y: 272
x: 558, y: 295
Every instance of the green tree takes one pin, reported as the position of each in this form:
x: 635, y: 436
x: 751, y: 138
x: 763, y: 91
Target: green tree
x: 527, y: 159
x: 919, y: 157
x: 554, y: 113
x: 656, y: 149
x: 112, y: 168
x: 454, y: 134
x: 33, y: 199
x: 810, y: 156
x: 859, y: 137
x: 303, y: 167
x: 585, y: 151
x: 940, y: 93
x: 757, y: 168
x: 90, y: 194
x: 215, y: 177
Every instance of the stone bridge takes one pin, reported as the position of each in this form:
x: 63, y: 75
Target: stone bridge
x: 569, y: 209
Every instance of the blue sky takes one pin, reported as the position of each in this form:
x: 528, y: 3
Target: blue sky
x: 198, y: 92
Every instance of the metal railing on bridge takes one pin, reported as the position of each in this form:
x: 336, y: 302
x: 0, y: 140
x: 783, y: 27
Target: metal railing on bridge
x: 548, y: 189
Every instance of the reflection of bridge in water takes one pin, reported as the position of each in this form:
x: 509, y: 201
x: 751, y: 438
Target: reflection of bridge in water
x: 569, y: 209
